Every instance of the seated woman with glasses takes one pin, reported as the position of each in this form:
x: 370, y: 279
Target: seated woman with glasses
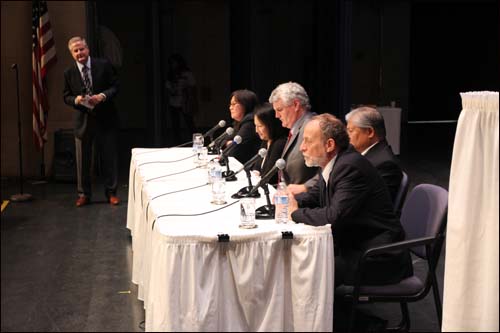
x: 242, y: 106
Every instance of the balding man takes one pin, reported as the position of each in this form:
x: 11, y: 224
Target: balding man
x: 350, y: 195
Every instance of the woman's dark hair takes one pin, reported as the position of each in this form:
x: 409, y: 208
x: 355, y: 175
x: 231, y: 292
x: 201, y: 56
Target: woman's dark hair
x: 266, y: 115
x: 247, y: 98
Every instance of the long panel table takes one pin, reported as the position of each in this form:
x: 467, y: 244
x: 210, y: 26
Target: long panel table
x: 203, y: 272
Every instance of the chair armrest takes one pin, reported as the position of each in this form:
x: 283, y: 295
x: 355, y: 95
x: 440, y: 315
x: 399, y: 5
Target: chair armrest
x: 407, y: 244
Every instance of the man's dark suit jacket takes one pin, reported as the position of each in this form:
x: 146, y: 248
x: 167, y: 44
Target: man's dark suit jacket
x: 357, y: 205
x: 250, y: 142
x: 273, y: 154
x: 104, y: 80
x: 385, y: 162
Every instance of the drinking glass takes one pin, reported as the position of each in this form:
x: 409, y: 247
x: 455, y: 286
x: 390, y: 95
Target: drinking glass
x: 198, y: 142
x: 247, y: 213
x: 203, y: 157
x: 219, y: 191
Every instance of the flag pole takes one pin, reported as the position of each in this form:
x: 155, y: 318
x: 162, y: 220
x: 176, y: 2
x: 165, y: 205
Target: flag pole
x: 21, y: 196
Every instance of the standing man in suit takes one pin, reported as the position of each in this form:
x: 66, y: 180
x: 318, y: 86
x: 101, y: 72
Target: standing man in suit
x: 366, y: 129
x: 90, y: 85
x: 350, y: 196
x: 291, y: 104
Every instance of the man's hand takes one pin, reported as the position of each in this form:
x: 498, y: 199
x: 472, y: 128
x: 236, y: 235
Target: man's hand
x: 78, y: 99
x: 296, y: 188
x: 96, y: 99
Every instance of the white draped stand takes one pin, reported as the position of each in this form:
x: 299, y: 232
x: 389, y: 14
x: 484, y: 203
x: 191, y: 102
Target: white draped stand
x: 191, y: 281
x: 471, y: 269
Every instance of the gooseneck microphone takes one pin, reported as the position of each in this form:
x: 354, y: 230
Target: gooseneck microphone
x: 248, y: 164
x: 213, y: 147
x: 228, y: 174
x: 211, y: 131
x: 243, y: 192
x: 236, y: 141
x: 279, y: 165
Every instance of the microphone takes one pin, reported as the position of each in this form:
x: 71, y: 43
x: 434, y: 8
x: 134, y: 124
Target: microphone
x: 228, y: 174
x: 14, y: 65
x: 261, y: 153
x: 279, y: 165
x: 229, y: 131
x: 243, y: 192
x: 211, y: 131
x: 236, y: 141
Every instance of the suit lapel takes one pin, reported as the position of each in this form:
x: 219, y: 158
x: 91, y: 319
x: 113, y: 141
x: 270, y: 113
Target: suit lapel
x: 323, y: 192
x: 78, y: 75
x: 295, y: 135
x: 93, y: 72
x: 289, y: 143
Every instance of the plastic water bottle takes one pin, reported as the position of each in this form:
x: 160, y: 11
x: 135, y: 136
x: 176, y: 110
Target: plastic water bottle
x: 218, y: 185
x: 281, y: 203
x: 214, y: 171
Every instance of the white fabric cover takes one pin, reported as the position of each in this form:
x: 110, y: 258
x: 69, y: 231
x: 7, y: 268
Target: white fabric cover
x: 471, y: 268
x: 191, y: 282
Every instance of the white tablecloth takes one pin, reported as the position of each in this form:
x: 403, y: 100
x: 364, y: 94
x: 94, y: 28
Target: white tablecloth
x: 470, y: 299
x: 392, y: 120
x: 189, y: 281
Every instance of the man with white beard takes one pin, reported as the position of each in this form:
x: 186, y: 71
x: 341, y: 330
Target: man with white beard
x: 351, y: 196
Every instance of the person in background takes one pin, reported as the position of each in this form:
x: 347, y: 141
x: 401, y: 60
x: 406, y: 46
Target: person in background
x: 366, y: 129
x: 273, y: 136
x: 182, y: 97
x: 291, y: 104
x: 350, y: 195
x: 241, y: 106
x: 90, y: 86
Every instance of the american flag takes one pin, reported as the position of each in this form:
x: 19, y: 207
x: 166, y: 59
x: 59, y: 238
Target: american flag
x: 43, y: 55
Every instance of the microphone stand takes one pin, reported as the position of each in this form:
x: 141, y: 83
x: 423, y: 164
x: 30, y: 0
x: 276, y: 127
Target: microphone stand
x: 243, y: 192
x: 228, y: 174
x: 224, y: 160
x: 21, y: 197
x: 214, y: 150
x: 265, y: 212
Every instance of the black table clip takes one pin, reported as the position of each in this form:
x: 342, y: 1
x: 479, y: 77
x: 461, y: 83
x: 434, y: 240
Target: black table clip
x: 223, y: 238
x: 287, y: 235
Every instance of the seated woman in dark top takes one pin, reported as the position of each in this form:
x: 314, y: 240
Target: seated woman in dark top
x: 242, y: 106
x: 273, y: 137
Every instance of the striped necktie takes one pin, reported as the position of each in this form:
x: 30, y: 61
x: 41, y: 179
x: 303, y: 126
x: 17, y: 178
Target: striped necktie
x: 86, y: 80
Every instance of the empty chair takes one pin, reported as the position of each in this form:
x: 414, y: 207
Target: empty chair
x: 424, y: 219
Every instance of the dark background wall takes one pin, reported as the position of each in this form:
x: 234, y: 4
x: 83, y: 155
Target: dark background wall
x: 418, y: 53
